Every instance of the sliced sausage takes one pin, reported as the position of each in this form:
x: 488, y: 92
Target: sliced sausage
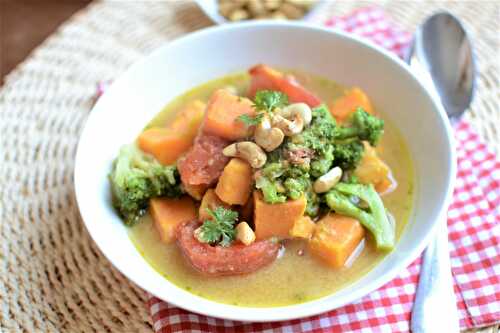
x: 204, y: 162
x: 218, y: 260
x: 267, y: 78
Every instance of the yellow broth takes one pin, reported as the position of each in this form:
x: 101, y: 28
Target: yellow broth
x: 292, y: 278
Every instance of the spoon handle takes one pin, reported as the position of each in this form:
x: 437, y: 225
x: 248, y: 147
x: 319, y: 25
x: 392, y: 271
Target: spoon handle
x: 435, y: 308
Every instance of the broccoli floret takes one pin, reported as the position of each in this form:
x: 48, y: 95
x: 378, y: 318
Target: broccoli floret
x: 272, y: 190
x: 374, y: 218
x: 321, y: 131
x: 273, y: 170
x: 136, y: 177
x: 327, y: 145
x: 313, y: 202
x: 347, y: 155
x: 321, y: 165
x: 363, y: 126
x: 318, y: 138
x: 334, y: 145
x: 278, y: 191
x: 296, y: 186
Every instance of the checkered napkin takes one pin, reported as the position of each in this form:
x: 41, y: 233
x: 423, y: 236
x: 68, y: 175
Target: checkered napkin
x: 474, y: 234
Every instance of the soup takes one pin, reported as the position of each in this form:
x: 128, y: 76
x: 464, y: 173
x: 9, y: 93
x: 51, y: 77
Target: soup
x: 314, y: 257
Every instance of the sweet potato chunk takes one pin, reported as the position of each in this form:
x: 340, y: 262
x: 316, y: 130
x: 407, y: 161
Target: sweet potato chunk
x: 163, y: 144
x: 267, y: 78
x: 168, y: 143
x: 168, y: 213
x: 344, y: 106
x: 189, y: 118
x: 195, y: 191
x: 335, y: 237
x: 372, y: 170
x: 235, y: 183
x: 210, y: 201
x: 222, y: 114
x: 303, y: 228
x: 276, y: 219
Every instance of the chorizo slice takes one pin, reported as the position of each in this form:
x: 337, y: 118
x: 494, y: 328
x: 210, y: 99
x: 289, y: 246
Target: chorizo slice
x: 204, y: 162
x: 218, y: 260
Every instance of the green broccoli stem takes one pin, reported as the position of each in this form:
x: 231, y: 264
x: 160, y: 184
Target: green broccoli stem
x: 375, y: 219
x: 343, y: 133
x: 270, y: 190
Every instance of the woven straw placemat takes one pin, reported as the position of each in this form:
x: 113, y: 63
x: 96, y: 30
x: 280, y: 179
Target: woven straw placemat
x: 52, y: 276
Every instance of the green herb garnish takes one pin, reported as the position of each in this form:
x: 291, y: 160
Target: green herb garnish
x: 220, y: 229
x: 251, y: 121
x: 265, y: 101
x: 268, y: 100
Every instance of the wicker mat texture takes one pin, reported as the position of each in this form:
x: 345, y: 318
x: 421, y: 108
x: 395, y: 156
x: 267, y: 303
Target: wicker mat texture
x: 52, y: 276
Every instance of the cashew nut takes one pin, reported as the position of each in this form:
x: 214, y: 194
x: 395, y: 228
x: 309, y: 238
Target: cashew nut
x: 292, y: 119
x: 256, y: 7
x: 238, y: 15
x: 288, y: 127
x: 301, y: 110
x: 248, y: 151
x: 328, y: 180
x: 292, y: 12
x: 268, y: 137
x: 244, y: 233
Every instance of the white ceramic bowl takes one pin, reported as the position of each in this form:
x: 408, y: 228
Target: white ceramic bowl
x: 136, y: 96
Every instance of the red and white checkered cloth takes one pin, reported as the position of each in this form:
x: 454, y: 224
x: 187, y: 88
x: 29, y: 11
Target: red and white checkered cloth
x: 473, y: 226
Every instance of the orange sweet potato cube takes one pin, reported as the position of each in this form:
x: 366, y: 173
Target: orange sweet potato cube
x: 168, y: 213
x: 303, y: 228
x: 210, y: 201
x: 235, y: 183
x: 276, y: 219
x: 168, y: 143
x: 373, y: 170
x: 335, y: 237
x: 195, y: 191
x: 345, y: 105
x: 222, y: 115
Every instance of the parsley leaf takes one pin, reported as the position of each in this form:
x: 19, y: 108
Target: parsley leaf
x: 251, y: 121
x: 220, y: 229
x: 268, y: 100
x: 264, y: 101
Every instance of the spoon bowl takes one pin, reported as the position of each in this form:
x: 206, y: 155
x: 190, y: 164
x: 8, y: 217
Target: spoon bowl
x: 442, y: 48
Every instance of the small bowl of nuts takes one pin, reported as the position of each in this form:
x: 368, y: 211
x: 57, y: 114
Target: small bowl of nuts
x: 226, y: 11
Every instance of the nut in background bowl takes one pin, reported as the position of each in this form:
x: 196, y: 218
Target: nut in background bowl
x: 228, y: 11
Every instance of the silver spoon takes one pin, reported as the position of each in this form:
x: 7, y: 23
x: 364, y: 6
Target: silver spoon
x: 441, y: 56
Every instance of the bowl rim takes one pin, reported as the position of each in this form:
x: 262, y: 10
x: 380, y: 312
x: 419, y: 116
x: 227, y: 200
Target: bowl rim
x: 295, y: 311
